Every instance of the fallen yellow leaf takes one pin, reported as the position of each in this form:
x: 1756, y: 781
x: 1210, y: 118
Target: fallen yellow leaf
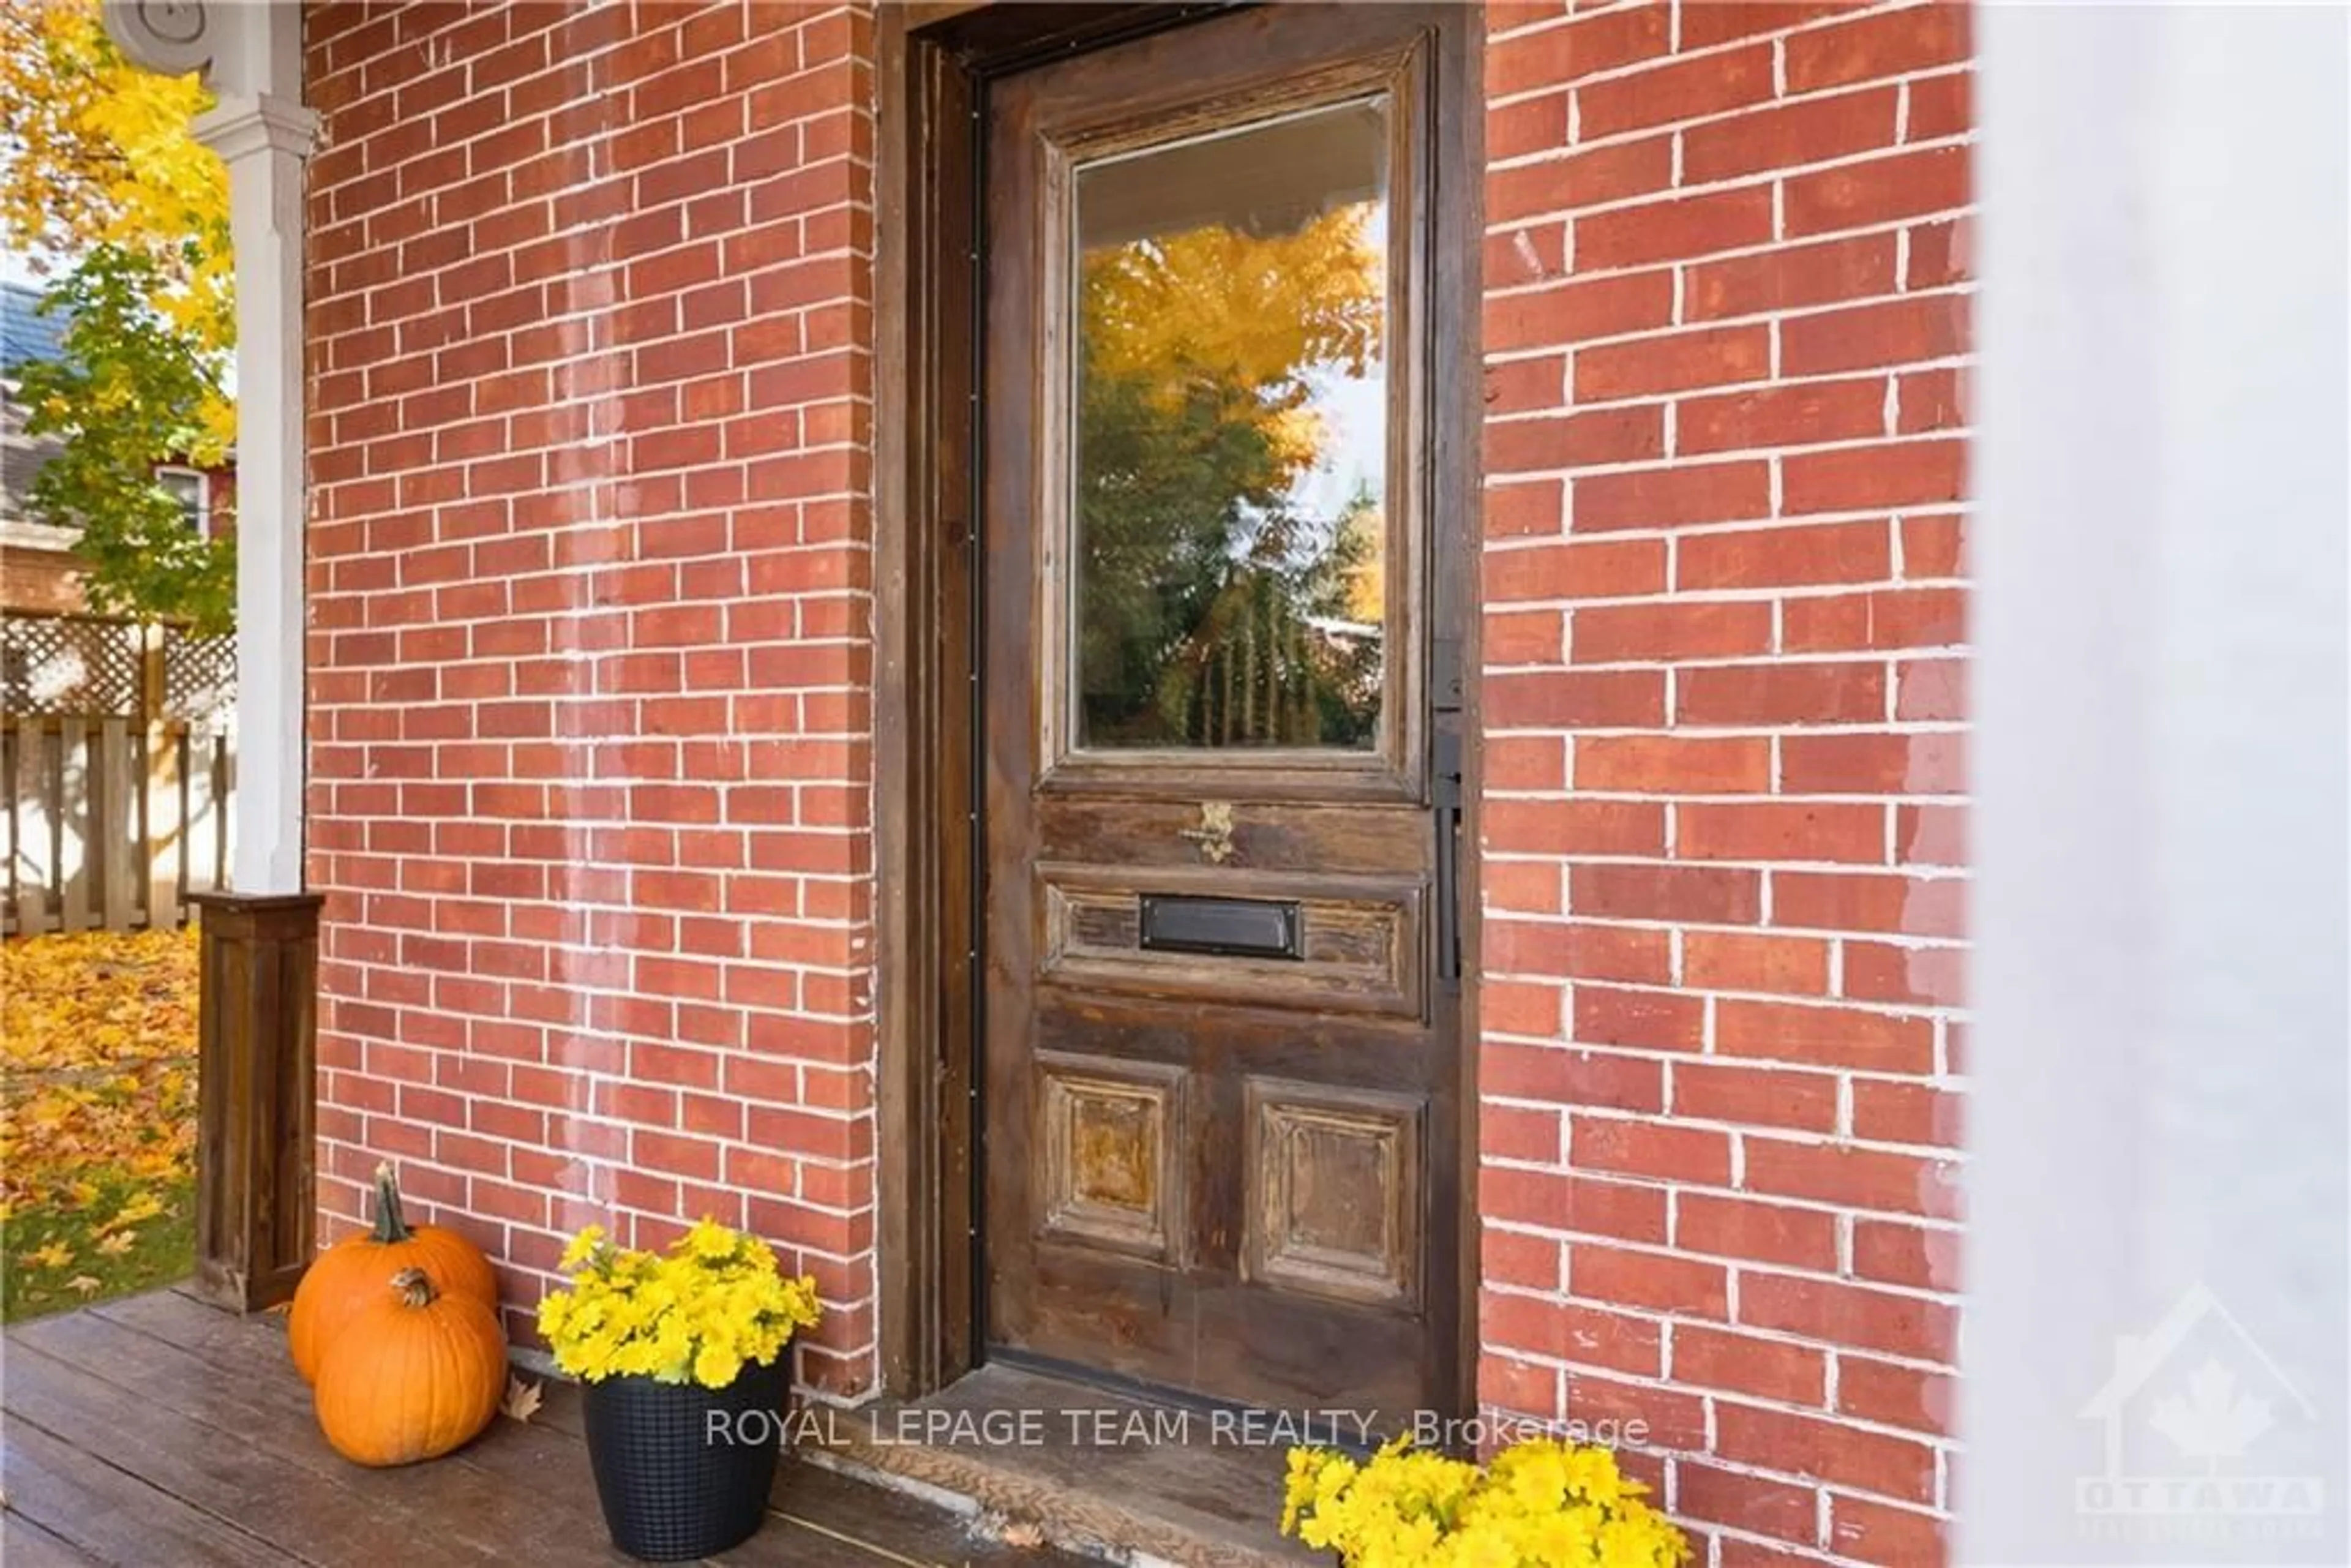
x: 522, y: 1399
x: 56, y: 1255
x: 143, y: 1207
x: 96, y: 1066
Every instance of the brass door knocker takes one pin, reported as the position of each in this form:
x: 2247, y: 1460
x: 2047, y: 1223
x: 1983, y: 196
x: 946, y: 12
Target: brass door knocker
x: 1214, y: 833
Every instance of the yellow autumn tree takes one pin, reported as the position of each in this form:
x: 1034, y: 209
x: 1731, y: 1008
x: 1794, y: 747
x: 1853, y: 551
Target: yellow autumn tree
x: 1248, y: 315
x: 1211, y: 603
x: 98, y: 151
x: 125, y: 216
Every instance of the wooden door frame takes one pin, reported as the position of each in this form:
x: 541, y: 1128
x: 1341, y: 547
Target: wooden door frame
x: 933, y: 58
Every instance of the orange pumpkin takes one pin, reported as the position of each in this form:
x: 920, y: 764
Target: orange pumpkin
x: 350, y: 1275
x: 413, y: 1375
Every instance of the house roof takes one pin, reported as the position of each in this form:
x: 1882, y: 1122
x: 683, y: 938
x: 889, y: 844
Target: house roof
x: 24, y: 333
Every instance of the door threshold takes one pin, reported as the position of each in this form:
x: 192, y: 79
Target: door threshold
x: 1113, y: 1474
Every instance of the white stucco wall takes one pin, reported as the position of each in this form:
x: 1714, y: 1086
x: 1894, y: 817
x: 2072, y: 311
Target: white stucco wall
x: 2161, y: 769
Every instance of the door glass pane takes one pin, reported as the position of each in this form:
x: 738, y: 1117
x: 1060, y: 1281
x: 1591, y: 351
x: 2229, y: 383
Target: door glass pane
x: 1230, y: 437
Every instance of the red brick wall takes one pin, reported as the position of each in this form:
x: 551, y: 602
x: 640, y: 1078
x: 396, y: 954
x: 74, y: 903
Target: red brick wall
x: 40, y: 581
x: 589, y: 325
x: 1727, y: 281
x: 589, y: 315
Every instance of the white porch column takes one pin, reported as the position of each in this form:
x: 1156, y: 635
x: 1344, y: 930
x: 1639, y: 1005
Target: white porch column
x: 251, y: 56
x: 2155, y: 1341
x: 264, y: 140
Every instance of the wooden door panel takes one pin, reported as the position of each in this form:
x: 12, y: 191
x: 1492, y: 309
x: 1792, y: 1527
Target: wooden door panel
x: 1111, y: 1155
x: 1333, y: 1049
x: 1224, y: 1339
x: 1222, y: 1069
x: 1335, y: 1207
x: 1110, y: 830
x: 1361, y: 942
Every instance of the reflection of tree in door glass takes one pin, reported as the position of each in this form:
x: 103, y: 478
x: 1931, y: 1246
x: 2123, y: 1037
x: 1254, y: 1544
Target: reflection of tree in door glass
x: 1231, y: 438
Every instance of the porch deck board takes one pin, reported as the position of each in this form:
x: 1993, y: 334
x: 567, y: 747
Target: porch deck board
x: 26, y: 1545
x: 159, y: 1429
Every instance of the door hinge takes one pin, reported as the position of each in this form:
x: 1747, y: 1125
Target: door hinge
x: 1445, y: 674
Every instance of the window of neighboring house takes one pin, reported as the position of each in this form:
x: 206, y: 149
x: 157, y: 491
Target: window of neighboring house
x: 192, y: 488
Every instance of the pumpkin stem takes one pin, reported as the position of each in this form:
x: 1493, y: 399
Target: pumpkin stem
x: 415, y: 1287
x: 389, y: 1225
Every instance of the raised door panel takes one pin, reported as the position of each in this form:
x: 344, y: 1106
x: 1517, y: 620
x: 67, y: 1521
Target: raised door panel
x: 1337, y: 1202
x: 1110, y: 1174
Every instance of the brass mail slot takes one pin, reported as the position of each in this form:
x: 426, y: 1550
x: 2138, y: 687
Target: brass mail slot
x: 1229, y: 927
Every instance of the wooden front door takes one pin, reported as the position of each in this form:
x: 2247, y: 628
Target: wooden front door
x: 1222, y: 1097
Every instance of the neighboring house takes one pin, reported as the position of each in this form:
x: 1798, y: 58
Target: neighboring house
x: 38, y: 569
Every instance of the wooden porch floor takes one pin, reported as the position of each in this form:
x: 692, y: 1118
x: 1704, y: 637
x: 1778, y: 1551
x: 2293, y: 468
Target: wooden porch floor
x: 160, y: 1431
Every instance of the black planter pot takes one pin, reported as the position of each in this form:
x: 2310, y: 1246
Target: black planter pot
x: 682, y: 1471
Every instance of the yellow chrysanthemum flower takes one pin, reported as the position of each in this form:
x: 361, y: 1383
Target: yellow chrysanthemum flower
x: 589, y: 1238
x: 699, y: 1312
x: 711, y: 1242
x: 1540, y: 1504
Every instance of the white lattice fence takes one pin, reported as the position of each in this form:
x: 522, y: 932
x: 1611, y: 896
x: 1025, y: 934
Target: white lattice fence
x: 116, y: 764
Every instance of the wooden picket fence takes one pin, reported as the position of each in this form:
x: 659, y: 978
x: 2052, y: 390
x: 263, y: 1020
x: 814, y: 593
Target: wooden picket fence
x: 117, y: 761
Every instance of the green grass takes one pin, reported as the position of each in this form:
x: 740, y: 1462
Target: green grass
x: 163, y: 1250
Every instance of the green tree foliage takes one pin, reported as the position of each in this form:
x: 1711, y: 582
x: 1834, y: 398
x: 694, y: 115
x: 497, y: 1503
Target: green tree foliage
x: 102, y: 181
x: 124, y: 397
